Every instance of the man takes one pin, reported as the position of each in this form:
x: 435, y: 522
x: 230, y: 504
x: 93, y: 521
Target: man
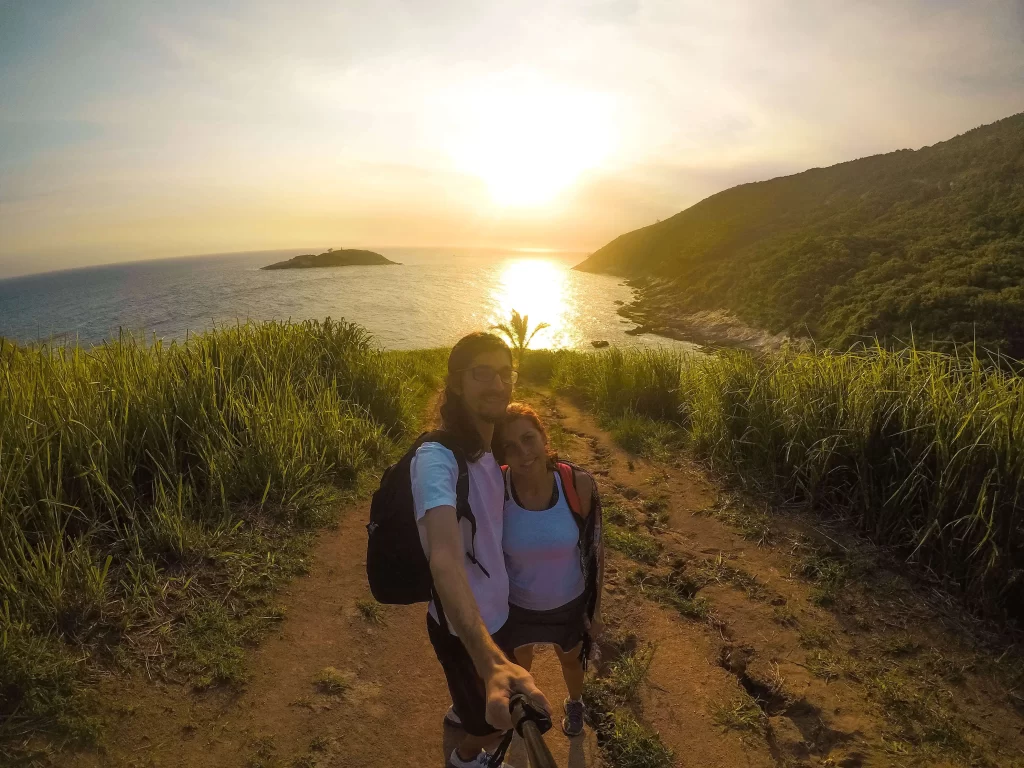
x: 469, y: 573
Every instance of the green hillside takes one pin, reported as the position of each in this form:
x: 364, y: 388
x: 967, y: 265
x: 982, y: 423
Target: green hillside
x: 929, y: 242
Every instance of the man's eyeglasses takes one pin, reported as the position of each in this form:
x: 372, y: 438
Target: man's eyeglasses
x: 486, y: 373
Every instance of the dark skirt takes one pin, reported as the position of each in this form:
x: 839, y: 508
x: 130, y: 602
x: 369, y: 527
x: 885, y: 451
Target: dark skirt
x: 563, y: 626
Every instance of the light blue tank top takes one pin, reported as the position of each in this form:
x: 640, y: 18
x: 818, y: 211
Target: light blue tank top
x: 542, y: 553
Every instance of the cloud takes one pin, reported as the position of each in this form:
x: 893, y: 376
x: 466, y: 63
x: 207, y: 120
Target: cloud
x: 158, y: 129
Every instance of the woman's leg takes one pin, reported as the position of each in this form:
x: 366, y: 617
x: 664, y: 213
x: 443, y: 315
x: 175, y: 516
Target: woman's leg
x: 524, y: 656
x: 572, y: 669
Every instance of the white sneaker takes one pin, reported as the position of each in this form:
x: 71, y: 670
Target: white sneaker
x: 480, y: 761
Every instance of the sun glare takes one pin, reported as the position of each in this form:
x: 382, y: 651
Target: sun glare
x: 531, y: 140
x: 538, y: 288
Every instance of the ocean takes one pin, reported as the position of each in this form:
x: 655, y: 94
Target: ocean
x: 432, y: 299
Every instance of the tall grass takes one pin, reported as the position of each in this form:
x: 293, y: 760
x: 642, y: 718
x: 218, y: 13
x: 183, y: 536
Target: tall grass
x: 144, y: 487
x: 923, y: 452
x: 642, y: 382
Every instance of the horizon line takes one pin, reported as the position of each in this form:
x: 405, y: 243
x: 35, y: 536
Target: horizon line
x: 101, y: 265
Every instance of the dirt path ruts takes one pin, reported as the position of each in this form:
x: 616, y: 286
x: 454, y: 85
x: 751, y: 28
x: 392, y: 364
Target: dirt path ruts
x: 390, y: 714
x: 842, y: 686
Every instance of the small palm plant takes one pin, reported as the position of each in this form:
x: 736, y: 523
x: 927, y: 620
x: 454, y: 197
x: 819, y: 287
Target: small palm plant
x: 517, y: 331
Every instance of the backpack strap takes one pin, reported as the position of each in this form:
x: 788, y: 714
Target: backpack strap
x: 505, y: 481
x: 589, y: 543
x: 569, y: 487
x: 462, y: 508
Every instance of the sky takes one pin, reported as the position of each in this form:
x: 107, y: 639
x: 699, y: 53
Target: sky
x: 153, y: 129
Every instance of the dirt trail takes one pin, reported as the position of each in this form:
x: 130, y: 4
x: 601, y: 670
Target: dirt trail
x: 784, y: 673
x: 390, y: 715
x: 767, y: 642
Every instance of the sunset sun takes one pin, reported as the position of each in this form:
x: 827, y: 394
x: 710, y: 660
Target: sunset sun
x: 531, y: 141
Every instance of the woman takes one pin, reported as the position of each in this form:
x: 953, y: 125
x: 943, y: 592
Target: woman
x: 553, y: 553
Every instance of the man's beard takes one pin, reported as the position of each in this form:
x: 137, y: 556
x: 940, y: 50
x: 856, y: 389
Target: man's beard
x: 494, y: 418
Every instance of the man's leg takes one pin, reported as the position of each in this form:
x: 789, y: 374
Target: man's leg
x: 467, y: 693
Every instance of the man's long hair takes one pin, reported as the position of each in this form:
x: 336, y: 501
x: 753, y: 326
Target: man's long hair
x: 455, y: 419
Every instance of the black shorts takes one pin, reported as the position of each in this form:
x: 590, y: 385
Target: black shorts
x: 564, y: 626
x: 466, y: 687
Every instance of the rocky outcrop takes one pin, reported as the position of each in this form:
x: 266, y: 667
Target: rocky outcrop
x: 655, y: 311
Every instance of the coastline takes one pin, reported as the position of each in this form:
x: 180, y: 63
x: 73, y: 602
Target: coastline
x: 655, y: 312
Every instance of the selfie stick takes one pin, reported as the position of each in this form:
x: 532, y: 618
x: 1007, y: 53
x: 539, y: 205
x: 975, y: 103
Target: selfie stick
x: 530, y: 721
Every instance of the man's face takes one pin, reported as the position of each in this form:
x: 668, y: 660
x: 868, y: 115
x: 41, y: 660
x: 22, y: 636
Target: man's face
x: 485, y: 394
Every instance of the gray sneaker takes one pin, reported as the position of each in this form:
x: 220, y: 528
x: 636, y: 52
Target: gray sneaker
x: 572, y: 723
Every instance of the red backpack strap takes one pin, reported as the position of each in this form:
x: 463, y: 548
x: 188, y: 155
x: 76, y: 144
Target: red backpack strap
x: 569, y: 486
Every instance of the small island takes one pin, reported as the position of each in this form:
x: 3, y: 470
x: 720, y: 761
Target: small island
x: 332, y: 258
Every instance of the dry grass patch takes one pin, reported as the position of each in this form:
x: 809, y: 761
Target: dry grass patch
x: 330, y: 682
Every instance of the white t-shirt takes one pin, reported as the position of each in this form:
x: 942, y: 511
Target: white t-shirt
x: 434, y: 473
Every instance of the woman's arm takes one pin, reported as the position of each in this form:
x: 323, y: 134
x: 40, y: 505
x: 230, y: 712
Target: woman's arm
x: 597, y: 624
x: 586, y: 488
x: 585, y: 491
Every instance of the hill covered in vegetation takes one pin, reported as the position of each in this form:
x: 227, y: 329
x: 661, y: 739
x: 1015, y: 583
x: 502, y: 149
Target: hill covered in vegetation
x: 926, y: 243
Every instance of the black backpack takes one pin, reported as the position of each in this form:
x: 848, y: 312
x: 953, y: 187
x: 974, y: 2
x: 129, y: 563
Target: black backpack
x: 396, y: 566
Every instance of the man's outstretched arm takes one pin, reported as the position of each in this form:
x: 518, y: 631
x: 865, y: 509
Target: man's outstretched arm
x: 501, y: 677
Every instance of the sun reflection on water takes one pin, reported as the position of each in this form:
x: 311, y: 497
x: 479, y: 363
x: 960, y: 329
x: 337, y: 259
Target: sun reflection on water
x: 538, y: 288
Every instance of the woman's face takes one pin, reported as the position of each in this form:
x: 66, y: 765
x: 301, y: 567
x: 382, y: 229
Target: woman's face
x: 524, y: 446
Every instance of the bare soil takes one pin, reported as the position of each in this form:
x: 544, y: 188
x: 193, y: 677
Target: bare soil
x: 875, y: 673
